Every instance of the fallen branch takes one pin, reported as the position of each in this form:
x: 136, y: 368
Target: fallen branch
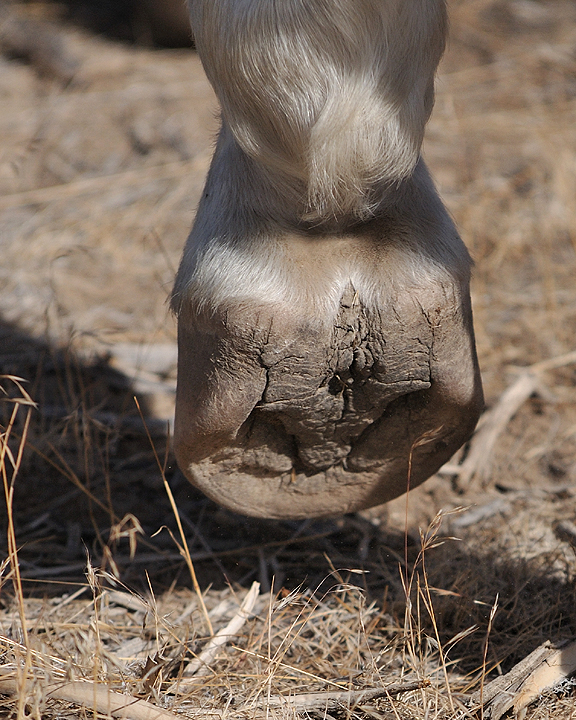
x: 201, y: 665
x: 92, y: 696
x: 130, y: 602
x: 544, y: 668
x: 334, y: 700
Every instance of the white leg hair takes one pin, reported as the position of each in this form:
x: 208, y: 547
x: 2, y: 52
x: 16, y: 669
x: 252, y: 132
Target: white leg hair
x: 329, y: 97
x: 324, y: 104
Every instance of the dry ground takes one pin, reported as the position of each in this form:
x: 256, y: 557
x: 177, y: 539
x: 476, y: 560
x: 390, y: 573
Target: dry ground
x: 102, y: 158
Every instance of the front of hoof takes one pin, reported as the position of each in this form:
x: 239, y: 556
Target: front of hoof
x: 300, y: 421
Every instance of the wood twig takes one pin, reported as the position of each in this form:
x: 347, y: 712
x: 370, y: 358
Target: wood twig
x: 201, y: 664
x: 94, y: 697
x: 332, y: 700
x: 544, y: 668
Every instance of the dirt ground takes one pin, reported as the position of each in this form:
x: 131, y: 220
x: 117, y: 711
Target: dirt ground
x: 103, y: 153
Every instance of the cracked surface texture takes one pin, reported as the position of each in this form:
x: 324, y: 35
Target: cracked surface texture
x: 281, y: 416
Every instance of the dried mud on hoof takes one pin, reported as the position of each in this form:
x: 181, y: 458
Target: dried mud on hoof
x: 336, y: 419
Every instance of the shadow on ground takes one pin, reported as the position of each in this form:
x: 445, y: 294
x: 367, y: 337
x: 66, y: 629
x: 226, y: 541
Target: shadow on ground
x: 90, y: 482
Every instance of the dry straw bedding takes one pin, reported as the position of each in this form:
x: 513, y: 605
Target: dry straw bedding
x: 99, y: 176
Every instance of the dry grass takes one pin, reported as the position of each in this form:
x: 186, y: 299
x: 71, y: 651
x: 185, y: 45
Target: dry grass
x: 98, y: 181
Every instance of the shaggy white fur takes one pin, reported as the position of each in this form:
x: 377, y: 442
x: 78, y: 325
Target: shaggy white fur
x: 324, y: 104
x: 329, y: 98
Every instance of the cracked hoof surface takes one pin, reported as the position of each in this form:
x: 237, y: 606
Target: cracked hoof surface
x: 328, y: 420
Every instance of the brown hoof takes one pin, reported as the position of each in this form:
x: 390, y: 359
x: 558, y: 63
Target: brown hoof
x: 280, y: 415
